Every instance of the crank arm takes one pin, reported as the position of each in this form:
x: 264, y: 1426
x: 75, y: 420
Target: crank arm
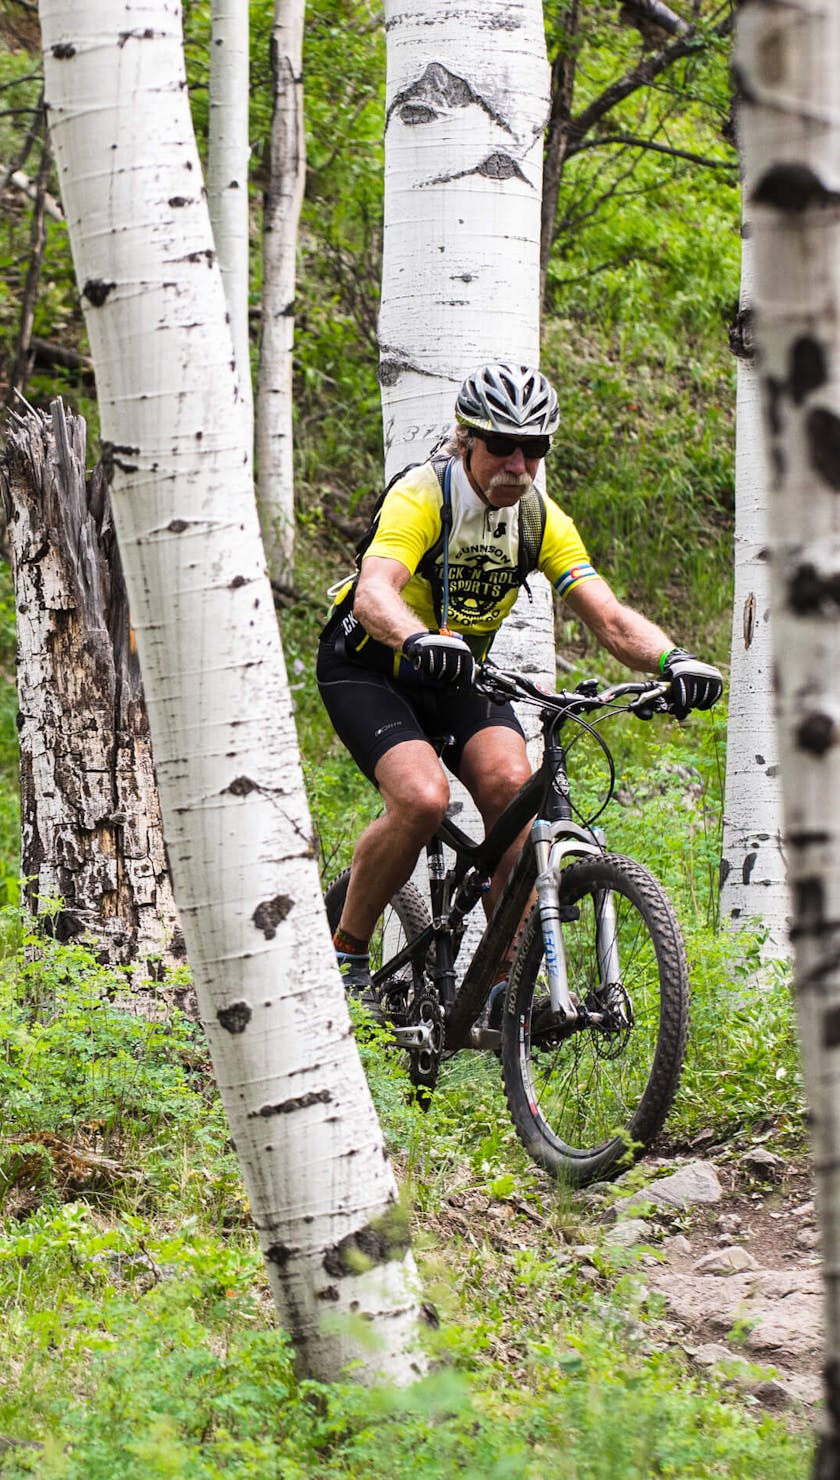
x: 417, y: 1035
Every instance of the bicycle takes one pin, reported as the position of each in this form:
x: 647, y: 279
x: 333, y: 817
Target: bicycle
x: 594, y: 1021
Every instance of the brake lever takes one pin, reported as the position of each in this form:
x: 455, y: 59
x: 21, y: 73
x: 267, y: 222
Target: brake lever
x: 647, y: 705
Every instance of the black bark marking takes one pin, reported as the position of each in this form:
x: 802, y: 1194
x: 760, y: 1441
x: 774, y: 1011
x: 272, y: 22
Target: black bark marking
x: 237, y: 582
x: 177, y: 201
x: 96, y: 290
x: 434, y: 94
x: 235, y: 1018
x: 64, y: 51
x: 724, y: 871
x: 808, y: 839
x: 831, y: 1027
x: 499, y: 166
x: 808, y: 368
x: 810, y: 592
x: 822, y: 430
x: 389, y: 371
x: 747, y: 867
x: 741, y: 335
x: 288, y: 1107
x: 809, y: 907
x: 749, y: 620
x: 242, y: 786
x: 124, y: 36
x: 429, y: 1314
x: 267, y: 916
x: 779, y: 464
x: 279, y: 1254
x: 827, y: 1458
x: 329, y: 1292
x: 793, y: 188
x: 775, y: 390
x: 177, y: 526
x: 760, y: 760
x: 383, y: 1239
x: 413, y: 113
x: 394, y: 363
x: 816, y: 733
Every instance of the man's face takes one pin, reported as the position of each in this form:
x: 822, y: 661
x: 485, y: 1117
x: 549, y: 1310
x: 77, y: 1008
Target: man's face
x: 507, y: 476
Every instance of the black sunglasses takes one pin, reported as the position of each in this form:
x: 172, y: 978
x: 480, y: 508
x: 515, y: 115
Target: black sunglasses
x: 506, y: 446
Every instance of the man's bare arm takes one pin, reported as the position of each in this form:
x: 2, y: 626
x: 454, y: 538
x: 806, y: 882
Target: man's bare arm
x: 630, y: 637
x: 378, y: 604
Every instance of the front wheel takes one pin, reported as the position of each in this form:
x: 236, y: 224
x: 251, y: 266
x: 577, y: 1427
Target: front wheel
x: 588, y: 1100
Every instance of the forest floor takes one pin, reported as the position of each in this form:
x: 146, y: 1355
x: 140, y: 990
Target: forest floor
x: 717, y: 1244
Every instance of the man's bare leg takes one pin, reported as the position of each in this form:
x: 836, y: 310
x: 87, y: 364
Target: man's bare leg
x: 416, y: 794
x: 494, y: 765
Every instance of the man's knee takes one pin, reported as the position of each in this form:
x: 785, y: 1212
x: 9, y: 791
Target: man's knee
x: 414, y: 789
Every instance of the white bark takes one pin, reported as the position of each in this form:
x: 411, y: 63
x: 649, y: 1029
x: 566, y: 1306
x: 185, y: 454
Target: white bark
x: 467, y: 102
x: 235, y: 814
x: 281, y: 214
x: 228, y: 155
x: 789, y: 57
x: 753, y: 872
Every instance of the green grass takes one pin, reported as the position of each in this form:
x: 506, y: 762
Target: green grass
x: 138, y: 1335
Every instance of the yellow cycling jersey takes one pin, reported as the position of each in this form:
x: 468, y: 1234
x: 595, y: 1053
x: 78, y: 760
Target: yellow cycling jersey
x: 484, y: 571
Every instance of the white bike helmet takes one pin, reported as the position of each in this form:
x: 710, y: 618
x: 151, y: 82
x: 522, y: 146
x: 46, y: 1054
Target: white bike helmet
x: 508, y: 399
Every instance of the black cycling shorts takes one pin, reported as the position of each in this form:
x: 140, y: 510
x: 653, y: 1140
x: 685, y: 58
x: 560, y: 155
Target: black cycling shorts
x: 372, y: 712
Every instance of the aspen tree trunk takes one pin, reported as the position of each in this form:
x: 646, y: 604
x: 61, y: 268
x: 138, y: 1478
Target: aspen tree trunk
x: 467, y: 102
x: 281, y: 214
x: 240, y: 839
x: 789, y: 62
x: 91, y: 830
x: 227, y: 170
x: 753, y: 878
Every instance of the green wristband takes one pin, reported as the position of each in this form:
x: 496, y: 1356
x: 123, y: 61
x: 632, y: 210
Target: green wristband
x: 664, y: 658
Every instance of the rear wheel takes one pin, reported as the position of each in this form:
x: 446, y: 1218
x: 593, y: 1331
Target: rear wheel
x: 407, y: 998
x: 589, y: 1100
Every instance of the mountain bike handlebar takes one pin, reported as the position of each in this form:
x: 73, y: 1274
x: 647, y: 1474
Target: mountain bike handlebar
x: 646, y: 696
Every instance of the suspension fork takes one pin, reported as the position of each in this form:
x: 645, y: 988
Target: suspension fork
x: 553, y: 844
x: 544, y: 834
x: 543, y: 837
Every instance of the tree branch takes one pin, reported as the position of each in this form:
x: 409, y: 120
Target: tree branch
x: 29, y: 187
x: 565, y: 133
x: 641, y: 75
x: 652, y: 19
x: 633, y: 143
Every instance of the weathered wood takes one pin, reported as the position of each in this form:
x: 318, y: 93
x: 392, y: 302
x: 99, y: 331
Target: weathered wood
x: 91, y: 831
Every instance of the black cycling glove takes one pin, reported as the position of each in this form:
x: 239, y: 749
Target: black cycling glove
x: 445, y: 660
x: 694, y: 685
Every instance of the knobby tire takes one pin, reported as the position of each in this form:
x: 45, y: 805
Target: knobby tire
x: 589, y: 1104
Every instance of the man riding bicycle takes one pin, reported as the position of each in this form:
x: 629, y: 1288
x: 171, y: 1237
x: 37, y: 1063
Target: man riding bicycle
x: 454, y: 541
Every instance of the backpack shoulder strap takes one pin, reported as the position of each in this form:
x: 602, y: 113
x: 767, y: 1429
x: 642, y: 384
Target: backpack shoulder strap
x: 532, y: 517
x: 439, y: 463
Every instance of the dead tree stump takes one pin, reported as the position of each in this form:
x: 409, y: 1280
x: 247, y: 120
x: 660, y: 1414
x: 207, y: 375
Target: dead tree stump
x: 91, y: 831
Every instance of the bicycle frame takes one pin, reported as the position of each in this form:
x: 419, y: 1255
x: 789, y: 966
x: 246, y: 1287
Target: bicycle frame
x: 554, y: 840
x: 454, y: 892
